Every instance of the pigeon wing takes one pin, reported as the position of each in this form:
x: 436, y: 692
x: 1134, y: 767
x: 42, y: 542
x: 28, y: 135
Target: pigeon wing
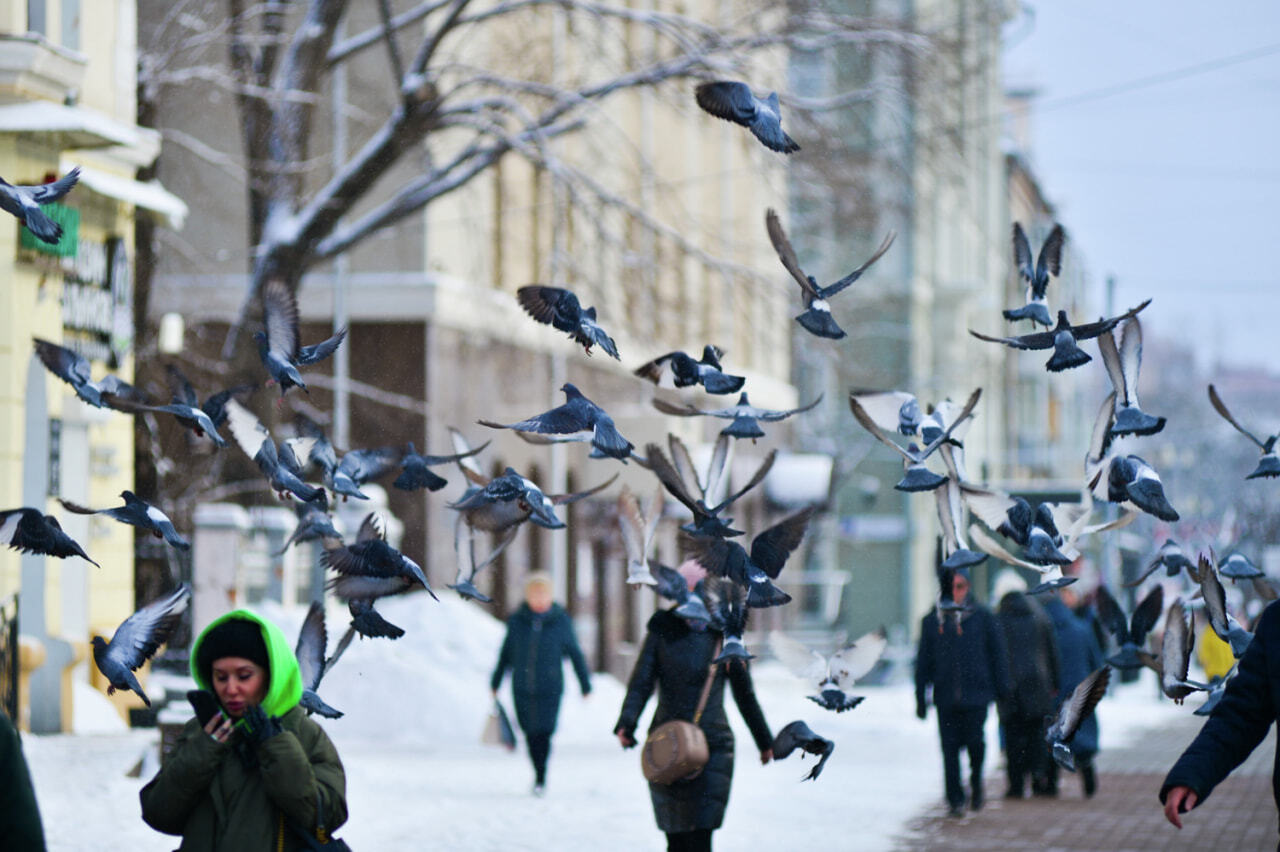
x: 1111, y: 615
x: 988, y: 545
x: 684, y: 466
x: 1050, y: 260
x: 787, y: 254
x: 669, y: 477
x: 632, y: 525
x: 1146, y: 615
x: 803, y: 662
x: 729, y: 100
x: 1175, y: 650
x: 553, y: 306
x: 864, y: 419
x: 280, y: 316
x: 46, y: 192
x: 718, y: 469
x: 1215, y: 598
x: 562, y: 420
x: 567, y: 499
x: 1111, y: 360
x: 658, y: 371
x: 247, y: 429
x: 1022, y: 254
x: 317, y: 352
x: 182, y: 389
x: 685, y: 410
x: 829, y: 291
x: 756, y: 479
x: 312, y: 640
x: 142, y: 634
x: 466, y: 463
x: 1083, y: 699
x: 1093, y: 329
x: 770, y: 549
x: 854, y: 661
x: 883, y: 407
x: 1035, y: 340
x: 774, y: 416
x: 64, y: 363
x: 1131, y: 358
x: 371, y: 528
x: 1221, y: 408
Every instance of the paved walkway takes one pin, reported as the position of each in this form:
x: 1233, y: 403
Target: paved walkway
x: 1124, y: 815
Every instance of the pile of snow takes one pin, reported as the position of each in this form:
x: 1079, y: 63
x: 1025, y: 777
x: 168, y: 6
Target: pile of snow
x: 92, y: 712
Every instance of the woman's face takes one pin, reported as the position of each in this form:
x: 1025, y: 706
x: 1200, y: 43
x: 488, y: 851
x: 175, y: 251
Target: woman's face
x: 238, y: 683
x: 538, y: 597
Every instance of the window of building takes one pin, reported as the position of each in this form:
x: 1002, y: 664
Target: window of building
x: 71, y: 24
x: 36, y: 17
x: 55, y: 457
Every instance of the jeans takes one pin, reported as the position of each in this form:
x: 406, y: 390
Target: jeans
x: 961, y: 727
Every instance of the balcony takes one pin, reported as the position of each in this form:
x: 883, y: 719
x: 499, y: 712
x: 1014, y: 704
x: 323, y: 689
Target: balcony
x: 33, y: 69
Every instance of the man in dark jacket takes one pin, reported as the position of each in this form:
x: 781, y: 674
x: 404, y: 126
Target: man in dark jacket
x: 1249, y: 707
x: 20, y: 826
x: 962, y: 655
x: 1079, y: 654
x: 1033, y: 674
x: 539, y: 635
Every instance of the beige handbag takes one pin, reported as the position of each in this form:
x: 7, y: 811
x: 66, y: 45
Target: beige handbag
x: 677, y: 750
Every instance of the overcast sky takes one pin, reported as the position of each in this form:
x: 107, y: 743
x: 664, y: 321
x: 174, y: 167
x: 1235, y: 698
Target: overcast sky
x: 1157, y: 135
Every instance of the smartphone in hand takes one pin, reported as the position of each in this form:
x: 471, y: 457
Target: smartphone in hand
x: 205, y: 704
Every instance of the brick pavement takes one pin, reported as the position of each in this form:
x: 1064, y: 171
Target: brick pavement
x: 1124, y: 816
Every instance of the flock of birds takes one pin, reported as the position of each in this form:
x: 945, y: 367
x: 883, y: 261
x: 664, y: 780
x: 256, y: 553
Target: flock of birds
x: 307, y: 466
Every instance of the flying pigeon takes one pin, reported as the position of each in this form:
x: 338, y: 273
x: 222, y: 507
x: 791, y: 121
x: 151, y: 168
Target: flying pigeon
x: 797, y: 735
x: 1174, y: 560
x: 671, y: 585
x: 1175, y: 655
x: 735, y: 102
x: 278, y: 344
x: 727, y: 603
x: 137, y: 639
x: 1131, y: 633
x: 560, y: 309
x: 370, y: 568
x: 833, y: 677
x: 816, y: 318
x: 415, y: 469
x: 73, y: 368
x: 680, y: 370
x: 24, y: 203
x: 344, y: 477
x: 138, y: 513
x: 257, y: 444
x: 754, y: 571
x: 1236, y: 566
x: 892, y: 411
x: 1217, y: 688
x: 1048, y: 263
x: 744, y: 415
x: 681, y: 480
x: 201, y: 418
x: 1221, y: 621
x: 1127, y: 480
x: 917, y: 477
x: 310, y: 650
x: 314, y: 524
x: 29, y: 530
x: 1072, y: 713
x: 955, y: 551
x: 1062, y: 339
x: 1122, y: 366
x: 1269, y: 464
x: 638, y: 528
x: 579, y: 419
x: 368, y: 622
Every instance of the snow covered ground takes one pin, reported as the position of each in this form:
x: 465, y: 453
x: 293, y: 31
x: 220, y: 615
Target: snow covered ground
x: 418, y: 778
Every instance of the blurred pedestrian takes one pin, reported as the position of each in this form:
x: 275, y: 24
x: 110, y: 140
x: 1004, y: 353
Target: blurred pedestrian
x: 20, y: 826
x: 1079, y: 654
x: 259, y: 769
x: 962, y: 657
x: 1250, y: 705
x: 1033, y: 673
x: 676, y: 659
x: 539, y: 636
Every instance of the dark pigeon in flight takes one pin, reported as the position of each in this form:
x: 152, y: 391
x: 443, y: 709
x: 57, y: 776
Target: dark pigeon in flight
x: 735, y: 102
x: 560, y: 309
x: 754, y: 571
x: 278, y: 343
x: 73, y: 368
x: 1083, y: 699
x: 1269, y: 464
x: 1174, y: 560
x: 745, y: 416
x: 1130, y: 633
x: 24, y: 202
x: 917, y: 477
x: 416, y: 473
x: 258, y: 445
x: 136, y: 641
x: 136, y: 512
x: 579, y: 419
x: 29, y: 530
x: 681, y: 480
x: 680, y: 370
x: 1122, y: 365
x: 726, y: 601
x: 1062, y: 339
x: 314, y: 524
x: 313, y: 640
x: 798, y: 735
x: 191, y: 412
x: 816, y: 318
x: 1048, y: 263
x: 1222, y: 622
x: 370, y: 568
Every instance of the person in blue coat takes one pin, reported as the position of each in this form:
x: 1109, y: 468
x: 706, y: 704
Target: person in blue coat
x: 1079, y: 656
x: 1250, y: 705
x: 539, y: 636
x: 962, y: 656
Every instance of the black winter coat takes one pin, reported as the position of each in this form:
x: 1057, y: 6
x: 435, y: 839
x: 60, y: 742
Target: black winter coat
x: 535, y: 645
x: 966, y: 663
x: 1249, y: 707
x: 1033, y: 659
x: 675, y: 660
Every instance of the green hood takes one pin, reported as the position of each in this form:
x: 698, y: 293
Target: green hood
x: 284, y: 685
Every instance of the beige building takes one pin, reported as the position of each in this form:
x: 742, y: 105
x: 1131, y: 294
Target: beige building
x: 68, y: 99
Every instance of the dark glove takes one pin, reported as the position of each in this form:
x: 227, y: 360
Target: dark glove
x: 259, y: 727
x: 922, y: 710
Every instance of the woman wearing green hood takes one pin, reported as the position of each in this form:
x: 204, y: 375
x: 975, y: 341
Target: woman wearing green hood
x: 260, y: 769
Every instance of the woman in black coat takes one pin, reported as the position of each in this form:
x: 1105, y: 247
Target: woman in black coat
x: 676, y: 659
x: 539, y: 636
x: 1033, y: 674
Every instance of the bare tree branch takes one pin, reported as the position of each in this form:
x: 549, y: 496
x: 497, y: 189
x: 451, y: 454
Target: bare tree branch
x: 347, y: 47
x: 393, y: 52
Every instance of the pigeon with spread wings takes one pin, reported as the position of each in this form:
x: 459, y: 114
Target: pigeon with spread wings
x: 313, y: 640
x: 1048, y: 263
x: 138, y: 513
x: 1122, y: 365
x: 1268, y: 464
x: 24, y: 202
x: 834, y: 676
x: 579, y: 419
x: 680, y: 370
x: 137, y: 639
x: 1175, y: 655
x: 745, y: 416
x: 681, y: 480
x: 560, y: 309
x: 416, y: 473
x: 816, y: 318
x: 638, y: 527
x: 917, y: 477
x: 370, y: 568
x: 28, y: 530
x: 278, y: 343
x: 1130, y: 633
x: 1083, y: 699
x: 73, y: 368
x: 734, y: 101
x: 257, y: 444
x: 1063, y: 339
x: 754, y: 571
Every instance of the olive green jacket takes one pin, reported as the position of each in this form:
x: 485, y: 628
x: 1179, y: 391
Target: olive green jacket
x: 235, y: 797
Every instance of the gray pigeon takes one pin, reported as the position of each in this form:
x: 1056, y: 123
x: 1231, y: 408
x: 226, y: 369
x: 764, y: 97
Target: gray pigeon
x: 560, y: 309
x: 314, y: 524
x: 1174, y: 560
x: 73, y: 368
x: 1048, y: 263
x: 579, y: 419
x: 24, y: 202
x: 745, y: 416
x: 257, y: 444
x: 278, y: 344
x: 313, y: 639
x: 735, y: 102
x: 681, y: 480
x: 138, y: 513
x: 1222, y: 622
x: 1122, y: 365
x: 727, y: 603
x: 370, y: 568
x: 1175, y: 655
x: 1062, y: 728
x: 816, y: 318
x: 1269, y: 464
x: 28, y: 530
x: 1238, y: 567
x: 680, y: 370
x: 638, y: 528
x: 892, y: 411
x: 137, y: 639
x: 917, y: 477
x: 754, y: 571
x: 798, y: 735
x: 832, y: 677
x: 1130, y: 633
x: 1062, y: 339
x: 415, y: 469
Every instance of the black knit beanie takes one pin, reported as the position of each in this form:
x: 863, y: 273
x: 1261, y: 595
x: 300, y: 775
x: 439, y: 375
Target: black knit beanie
x: 234, y: 638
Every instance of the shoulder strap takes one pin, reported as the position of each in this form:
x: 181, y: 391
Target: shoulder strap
x: 706, y: 687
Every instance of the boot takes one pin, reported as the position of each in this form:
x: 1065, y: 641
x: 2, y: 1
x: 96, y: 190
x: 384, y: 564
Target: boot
x: 976, y: 799
x: 1090, y: 780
